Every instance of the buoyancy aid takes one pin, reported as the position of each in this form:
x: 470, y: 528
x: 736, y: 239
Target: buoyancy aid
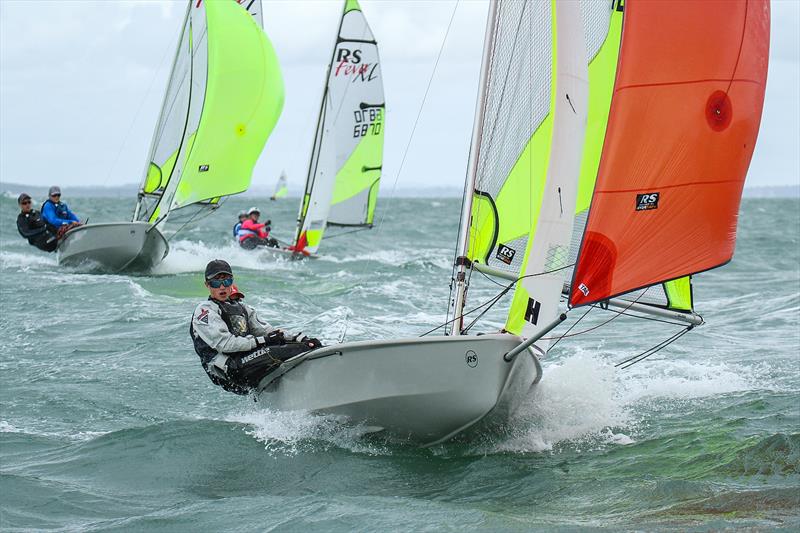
x: 61, y: 208
x: 248, y: 367
x: 235, y: 317
x: 61, y: 212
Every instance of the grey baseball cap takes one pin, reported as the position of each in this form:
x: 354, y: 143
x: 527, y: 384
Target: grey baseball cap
x: 55, y: 189
x: 22, y: 197
x: 217, y: 267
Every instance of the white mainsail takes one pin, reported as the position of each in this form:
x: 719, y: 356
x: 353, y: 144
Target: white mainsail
x: 346, y: 159
x: 525, y: 157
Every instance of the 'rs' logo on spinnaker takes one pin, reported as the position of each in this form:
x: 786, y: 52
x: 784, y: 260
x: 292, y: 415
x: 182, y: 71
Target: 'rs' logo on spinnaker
x: 647, y: 201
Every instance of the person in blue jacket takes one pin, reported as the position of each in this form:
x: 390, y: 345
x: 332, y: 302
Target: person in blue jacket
x: 238, y: 226
x: 56, y: 213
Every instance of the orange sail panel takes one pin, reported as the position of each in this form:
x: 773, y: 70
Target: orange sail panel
x: 683, y: 123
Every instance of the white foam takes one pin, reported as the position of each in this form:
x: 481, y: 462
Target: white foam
x: 587, y: 402
x: 24, y: 262
x: 191, y: 256
x: 293, y: 432
x: 576, y: 400
x: 80, y: 436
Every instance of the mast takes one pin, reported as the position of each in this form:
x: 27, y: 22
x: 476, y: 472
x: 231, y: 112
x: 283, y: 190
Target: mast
x: 472, y: 172
x: 315, y: 146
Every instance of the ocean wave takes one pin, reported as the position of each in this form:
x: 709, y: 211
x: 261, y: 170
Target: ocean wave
x: 24, y: 262
x: 192, y: 256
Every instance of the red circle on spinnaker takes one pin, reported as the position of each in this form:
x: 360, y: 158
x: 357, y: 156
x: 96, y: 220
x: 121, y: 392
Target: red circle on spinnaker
x: 719, y: 110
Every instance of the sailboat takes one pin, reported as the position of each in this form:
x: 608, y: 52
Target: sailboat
x: 224, y: 97
x: 572, y: 102
x: 344, y: 168
x: 281, y: 187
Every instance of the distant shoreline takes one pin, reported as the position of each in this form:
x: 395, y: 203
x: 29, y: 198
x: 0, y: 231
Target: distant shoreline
x: 130, y: 190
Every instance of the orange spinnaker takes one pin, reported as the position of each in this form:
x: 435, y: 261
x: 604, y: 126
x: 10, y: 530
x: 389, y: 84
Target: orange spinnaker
x: 684, y: 118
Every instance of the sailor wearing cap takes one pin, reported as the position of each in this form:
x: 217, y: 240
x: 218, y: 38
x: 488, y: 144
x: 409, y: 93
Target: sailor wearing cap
x: 31, y: 226
x: 56, y: 214
x: 235, y: 346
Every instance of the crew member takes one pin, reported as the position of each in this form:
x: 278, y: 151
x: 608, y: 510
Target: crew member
x: 56, y: 213
x: 238, y: 226
x: 254, y: 233
x: 31, y: 226
x: 236, y: 348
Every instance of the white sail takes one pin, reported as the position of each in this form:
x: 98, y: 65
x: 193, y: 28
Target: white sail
x: 525, y: 156
x: 543, y: 275
x: 345, y: 164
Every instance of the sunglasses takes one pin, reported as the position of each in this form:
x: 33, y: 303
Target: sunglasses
x: 55, y: 196
x: 217, y: 283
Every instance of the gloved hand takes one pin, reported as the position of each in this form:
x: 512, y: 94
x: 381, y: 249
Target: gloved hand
x: 311, y: 342
x: 268, y: 222
x: 273, y: 338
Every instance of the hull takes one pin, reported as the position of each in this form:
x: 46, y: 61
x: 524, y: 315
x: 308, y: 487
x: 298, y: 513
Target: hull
x: 114, y: 247
x: 423, y: 389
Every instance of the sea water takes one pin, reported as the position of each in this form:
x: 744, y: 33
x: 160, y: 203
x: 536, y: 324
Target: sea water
x: 107, y: 421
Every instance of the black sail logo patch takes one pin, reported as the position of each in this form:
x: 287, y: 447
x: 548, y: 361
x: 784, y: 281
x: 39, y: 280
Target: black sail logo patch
x: 532, y: 312
x: 203, y: 168
x: 647, y: 201
x: 505, y: 254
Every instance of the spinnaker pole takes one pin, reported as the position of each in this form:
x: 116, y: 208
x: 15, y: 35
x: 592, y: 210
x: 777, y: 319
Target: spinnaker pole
x: 472, y: 171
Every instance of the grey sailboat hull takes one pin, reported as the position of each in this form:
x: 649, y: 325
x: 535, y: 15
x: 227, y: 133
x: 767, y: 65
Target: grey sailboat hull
x: 424, y: 389
x: 114, y: 247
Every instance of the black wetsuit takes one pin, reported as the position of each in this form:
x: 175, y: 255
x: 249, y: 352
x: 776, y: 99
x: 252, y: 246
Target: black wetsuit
x: 244, y: 370
x: 32, y: 227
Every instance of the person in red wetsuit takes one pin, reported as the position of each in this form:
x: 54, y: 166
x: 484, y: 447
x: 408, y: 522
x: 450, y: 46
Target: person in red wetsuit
x: 253, y: 233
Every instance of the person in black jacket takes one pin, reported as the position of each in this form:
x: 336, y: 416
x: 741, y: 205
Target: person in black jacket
x: 31, y: 226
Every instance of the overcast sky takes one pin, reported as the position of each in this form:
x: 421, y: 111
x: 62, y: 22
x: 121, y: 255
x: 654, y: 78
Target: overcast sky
x: 81, y: 84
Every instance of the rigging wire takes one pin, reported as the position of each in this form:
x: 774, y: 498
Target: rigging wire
x: 416, y: 120
x: 598, y: 326
x: 206, y: 212
x: 627, y: 363
x: 390, y: 200
x: 572, y: 326
x: 136, y: 115
x: 496, y: 298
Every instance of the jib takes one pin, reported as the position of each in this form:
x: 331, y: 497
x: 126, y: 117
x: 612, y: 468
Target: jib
x: 349, y: 56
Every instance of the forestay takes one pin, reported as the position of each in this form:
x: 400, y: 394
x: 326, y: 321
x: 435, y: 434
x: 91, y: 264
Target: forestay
x: 224, y: 97
x: 347, y: 155
x: 525, y: 154
x: 678, y: 142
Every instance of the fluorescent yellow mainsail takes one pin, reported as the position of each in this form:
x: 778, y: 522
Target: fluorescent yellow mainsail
x: 224, y: 98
